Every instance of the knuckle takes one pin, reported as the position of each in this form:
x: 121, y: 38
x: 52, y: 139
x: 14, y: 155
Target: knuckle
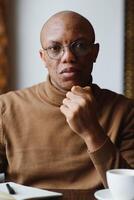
x: 83, y: 102
x: 68, y: 94
x: 64, y: 100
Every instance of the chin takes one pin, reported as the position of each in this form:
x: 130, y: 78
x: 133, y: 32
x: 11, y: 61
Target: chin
x: 67, y: 85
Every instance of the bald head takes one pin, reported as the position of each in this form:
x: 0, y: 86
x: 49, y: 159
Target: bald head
x: 68, y: 19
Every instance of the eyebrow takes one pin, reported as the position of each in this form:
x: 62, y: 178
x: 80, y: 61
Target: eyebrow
x: 78, y: 39
x: 53, y: 42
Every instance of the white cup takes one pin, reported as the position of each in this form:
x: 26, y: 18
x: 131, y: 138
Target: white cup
x: 121, y: 183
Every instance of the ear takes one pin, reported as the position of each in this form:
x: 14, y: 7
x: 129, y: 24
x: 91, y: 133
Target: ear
x: 42, y: 56
x: 95, y: 51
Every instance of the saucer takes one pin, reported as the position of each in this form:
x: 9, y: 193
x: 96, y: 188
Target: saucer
x: 103, y: 194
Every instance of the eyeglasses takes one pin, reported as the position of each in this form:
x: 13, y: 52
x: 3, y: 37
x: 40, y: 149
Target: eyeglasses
x: 78, y: 48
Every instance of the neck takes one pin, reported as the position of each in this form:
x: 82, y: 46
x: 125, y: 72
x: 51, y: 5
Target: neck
x: 65, y: 90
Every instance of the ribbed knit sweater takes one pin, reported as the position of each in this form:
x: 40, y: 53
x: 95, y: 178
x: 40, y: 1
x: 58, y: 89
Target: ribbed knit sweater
x: 38, y: 148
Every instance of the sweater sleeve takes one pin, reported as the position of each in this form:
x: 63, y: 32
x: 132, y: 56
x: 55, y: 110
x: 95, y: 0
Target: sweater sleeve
x: 119, y: 155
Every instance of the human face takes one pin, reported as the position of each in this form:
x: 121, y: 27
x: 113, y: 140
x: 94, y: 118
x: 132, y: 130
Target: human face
x: 70, y: 69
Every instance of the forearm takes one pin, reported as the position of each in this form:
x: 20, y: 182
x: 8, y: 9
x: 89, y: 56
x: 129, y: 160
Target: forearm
x: 94, y: 138
x: 109, y: 157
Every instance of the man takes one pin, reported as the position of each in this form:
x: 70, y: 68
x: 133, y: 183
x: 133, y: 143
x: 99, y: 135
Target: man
x: 66, y: 132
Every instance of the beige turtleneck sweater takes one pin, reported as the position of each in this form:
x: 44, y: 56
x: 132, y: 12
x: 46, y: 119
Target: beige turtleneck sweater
x: 38, y: 148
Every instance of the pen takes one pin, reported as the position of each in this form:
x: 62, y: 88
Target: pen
x: 10, y: 189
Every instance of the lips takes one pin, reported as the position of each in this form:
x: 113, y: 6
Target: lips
x: 69, y: 72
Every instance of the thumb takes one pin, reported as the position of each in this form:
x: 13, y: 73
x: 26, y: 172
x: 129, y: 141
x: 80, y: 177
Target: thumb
x: 87, y: 88
x: 79, y: 90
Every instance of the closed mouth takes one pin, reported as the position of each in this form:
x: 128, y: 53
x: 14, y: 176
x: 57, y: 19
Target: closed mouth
x: 70, y: 70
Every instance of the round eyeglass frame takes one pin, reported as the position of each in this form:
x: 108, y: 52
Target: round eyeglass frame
x: 70, y: 46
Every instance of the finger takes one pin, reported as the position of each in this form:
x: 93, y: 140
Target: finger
x: 66, y: 111
x: 75, y: 105
x: 74, y: 101
x: 87, y: 88
x: 81, y: 90
x: 79, y: 94
x: 70, y: 95
x: 71, y: 104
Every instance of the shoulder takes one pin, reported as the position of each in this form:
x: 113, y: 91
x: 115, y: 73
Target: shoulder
x: 19, y: 96
x: 110, y: 98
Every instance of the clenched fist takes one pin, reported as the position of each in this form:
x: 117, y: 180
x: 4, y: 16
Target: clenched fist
x: 79, y: 108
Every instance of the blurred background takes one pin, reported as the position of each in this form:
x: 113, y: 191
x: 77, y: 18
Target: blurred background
x: 20, y: 25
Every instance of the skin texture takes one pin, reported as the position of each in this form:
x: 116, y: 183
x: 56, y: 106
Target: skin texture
x: 72, y: 74
x: 58, y: 28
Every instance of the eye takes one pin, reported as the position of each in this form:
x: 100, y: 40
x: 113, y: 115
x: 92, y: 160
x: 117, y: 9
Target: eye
x: 80, y: 45
x: 55, y: 48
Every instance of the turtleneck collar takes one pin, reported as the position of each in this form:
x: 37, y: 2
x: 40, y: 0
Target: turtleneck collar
x: 52, y: 94
x: 55, y: 96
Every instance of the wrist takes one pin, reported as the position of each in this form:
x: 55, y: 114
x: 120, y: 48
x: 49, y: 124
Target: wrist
x: 95, y: 140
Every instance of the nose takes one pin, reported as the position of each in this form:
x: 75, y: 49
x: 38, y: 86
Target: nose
x: 68, y: 55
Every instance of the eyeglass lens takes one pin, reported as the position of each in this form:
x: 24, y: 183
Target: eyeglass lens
x: 78, y: 48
